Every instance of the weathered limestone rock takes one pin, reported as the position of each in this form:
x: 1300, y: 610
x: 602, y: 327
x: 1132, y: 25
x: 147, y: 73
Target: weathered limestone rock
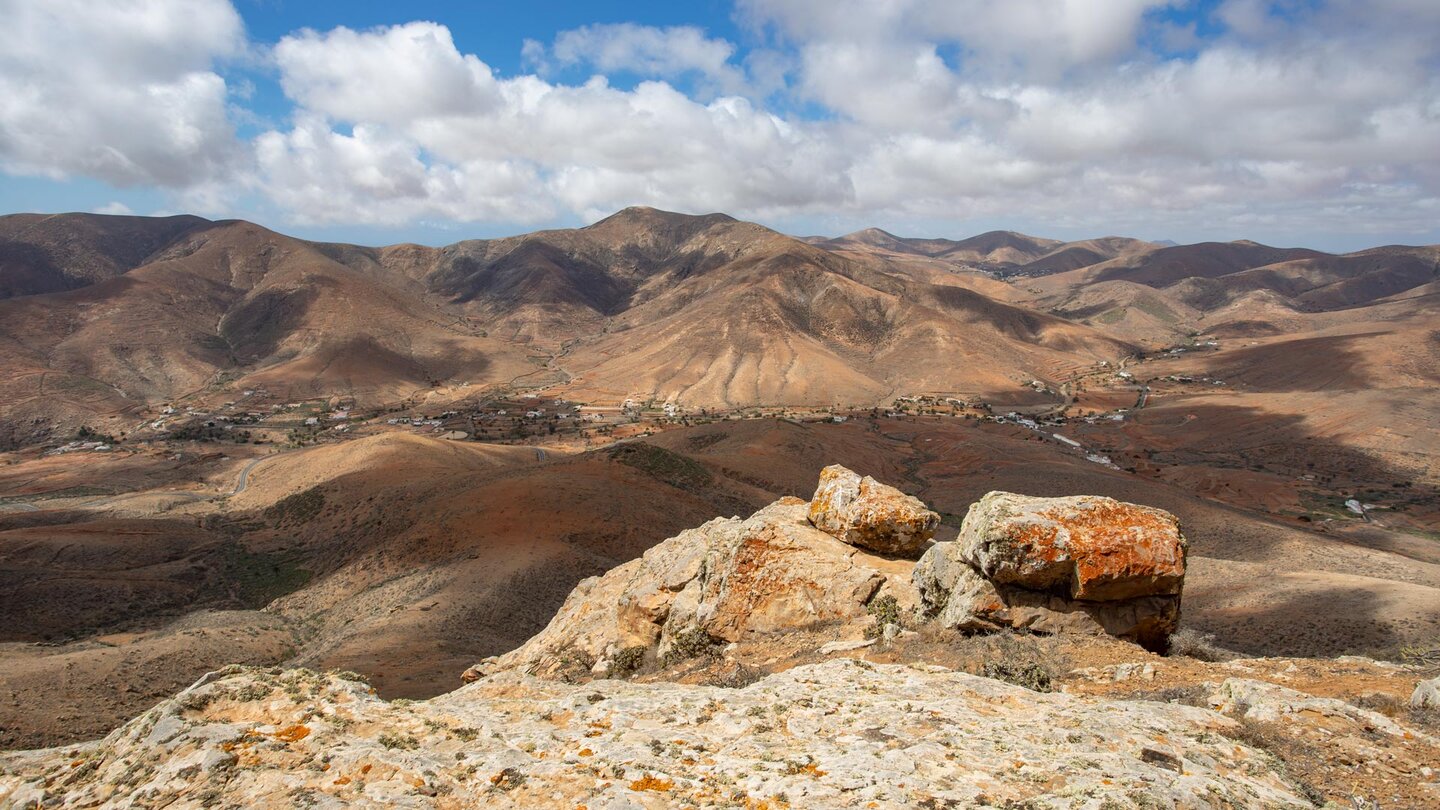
x: 1058, y: 565
x: 1426, y: 695
x: 866, y: 513
x: 971, y: 603
x: 1260, y: 700
x: 843, y: 734
x: 1083, y: 547
x: 771, y: 572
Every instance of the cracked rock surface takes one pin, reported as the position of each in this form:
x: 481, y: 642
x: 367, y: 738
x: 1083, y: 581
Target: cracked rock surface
x: 840, y: 734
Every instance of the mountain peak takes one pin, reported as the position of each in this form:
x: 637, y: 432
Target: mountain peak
x: 645, y: 215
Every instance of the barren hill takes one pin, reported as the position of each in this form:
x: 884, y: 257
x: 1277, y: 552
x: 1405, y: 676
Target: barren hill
x: 41, y: 253
x: 231, y: 302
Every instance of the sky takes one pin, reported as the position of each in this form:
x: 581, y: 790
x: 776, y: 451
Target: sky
x: 1290, y: 122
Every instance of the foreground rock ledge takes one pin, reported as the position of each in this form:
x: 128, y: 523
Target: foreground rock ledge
x: 836, y: 735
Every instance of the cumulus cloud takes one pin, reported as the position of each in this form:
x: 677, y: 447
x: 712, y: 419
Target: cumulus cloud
x: 391, y: 75
x: 644, y: 50
x: 122, y: 91
x: 516, y: 149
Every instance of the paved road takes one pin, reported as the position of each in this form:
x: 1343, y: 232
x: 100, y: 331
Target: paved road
x: 244, y: 479
x: 240, y: 484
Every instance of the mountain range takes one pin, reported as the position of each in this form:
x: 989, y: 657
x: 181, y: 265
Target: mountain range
x: 103, y: 314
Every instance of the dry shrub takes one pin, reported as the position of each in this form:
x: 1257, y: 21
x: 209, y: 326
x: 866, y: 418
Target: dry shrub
x: 735, y: 676
x: 1029, y: 661
x: 1191, y: 643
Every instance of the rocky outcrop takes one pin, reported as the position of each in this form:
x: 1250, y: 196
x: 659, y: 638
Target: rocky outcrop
x: 845, y: 733
x: 842, y: 734
x: 704, y: 587
x: 1078, y: 564
x: 866, y: 513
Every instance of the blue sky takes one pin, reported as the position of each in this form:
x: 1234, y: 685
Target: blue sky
x: 1312, y: 122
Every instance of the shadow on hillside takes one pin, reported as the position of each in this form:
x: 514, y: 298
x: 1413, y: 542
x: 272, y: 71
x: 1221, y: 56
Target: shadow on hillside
x: 1329, y: 363
x: 1319, y: 623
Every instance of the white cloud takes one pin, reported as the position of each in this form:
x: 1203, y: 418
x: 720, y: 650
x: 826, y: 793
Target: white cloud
x: 390, y: 75
x: 523, y: 147
x: 644, y: 50
x: 115, y: 208
x: 373, y: 177
x: 122, y: 91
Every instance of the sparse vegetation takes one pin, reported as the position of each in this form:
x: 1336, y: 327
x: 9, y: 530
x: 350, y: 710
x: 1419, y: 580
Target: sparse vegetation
x: 885, y: 611
x: 627, y: 661
x: 735, y: 676
x: 1021, y: 660
x: 573, y: 665
x: 260, y: 578
x: 403, y: 742
x: 1192, y: 643
x: 693, y: 643
x: 85, y: 434
x: 672, y: 468
x: 1288, y: 750
x: 508, y: 779
x: 298, y: 508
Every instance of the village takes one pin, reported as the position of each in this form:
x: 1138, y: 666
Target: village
x: 1090, y: 413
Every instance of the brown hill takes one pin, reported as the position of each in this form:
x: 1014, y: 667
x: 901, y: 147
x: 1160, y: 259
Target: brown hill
x: 1324, y: 283
x: 1074, y: 255
x: 231, y: 303
x: 42, y: 253
x: 1164, y: 266
x: 992, y: 248
x: 798, y: 325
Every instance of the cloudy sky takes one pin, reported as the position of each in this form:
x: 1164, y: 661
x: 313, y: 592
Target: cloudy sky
x: 1312, y: 122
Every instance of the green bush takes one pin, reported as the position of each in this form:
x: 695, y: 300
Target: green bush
x: 693, y: 643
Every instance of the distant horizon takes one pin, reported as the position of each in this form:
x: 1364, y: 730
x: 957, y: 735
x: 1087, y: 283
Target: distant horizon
x: 453, y: 238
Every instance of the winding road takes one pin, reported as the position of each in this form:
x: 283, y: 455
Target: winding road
x: 244, y: 479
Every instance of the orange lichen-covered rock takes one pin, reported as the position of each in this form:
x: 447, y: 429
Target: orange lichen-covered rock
x: 1084, y: 547
x: 1083, y: 564
x: 866, y: 513
x: 970, y: 603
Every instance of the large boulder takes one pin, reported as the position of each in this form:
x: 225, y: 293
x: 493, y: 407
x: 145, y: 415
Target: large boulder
x: 768, y: 573
x: 1055, y: 565
x: 1083, y: 547
x: 866, y: 513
